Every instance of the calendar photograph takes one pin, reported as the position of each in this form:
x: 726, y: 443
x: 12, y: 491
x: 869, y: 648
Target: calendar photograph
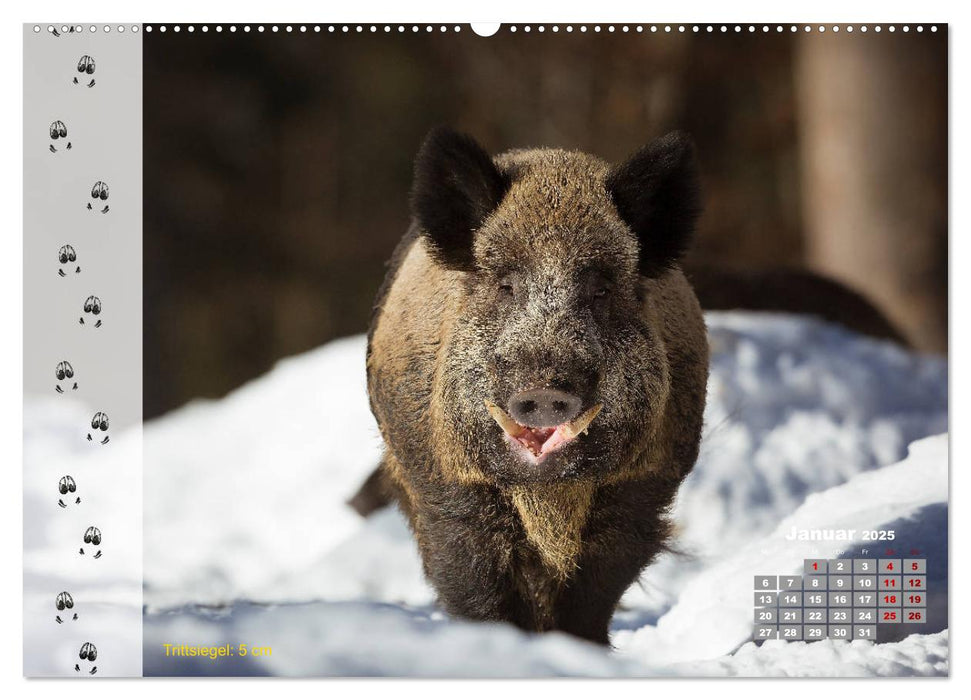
x: 610, y: 350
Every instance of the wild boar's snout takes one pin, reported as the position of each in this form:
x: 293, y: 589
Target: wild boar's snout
x: 544, y: 408
x: 547, y: 373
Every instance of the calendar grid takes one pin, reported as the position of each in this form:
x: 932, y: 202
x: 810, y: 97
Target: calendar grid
x: 840, y: 599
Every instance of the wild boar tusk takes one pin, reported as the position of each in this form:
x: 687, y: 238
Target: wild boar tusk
x: 509, y: 426
x: 579, y: 425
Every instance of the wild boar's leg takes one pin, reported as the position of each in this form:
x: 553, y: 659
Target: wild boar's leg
x: 374, y: 494
x: 587, y: 602
x: 467, y: 537
x: 625, y: 533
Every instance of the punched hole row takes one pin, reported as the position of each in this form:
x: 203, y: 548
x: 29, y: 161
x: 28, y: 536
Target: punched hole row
x: 414, y: 28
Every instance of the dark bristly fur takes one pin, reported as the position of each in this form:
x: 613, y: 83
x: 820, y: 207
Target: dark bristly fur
x: 657, y: 193
x: 539, y: 268
x: 456, y: 187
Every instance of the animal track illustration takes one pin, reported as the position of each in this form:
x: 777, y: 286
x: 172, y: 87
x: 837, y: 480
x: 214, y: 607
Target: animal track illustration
x: 67, y: 255
x: 66, y: 486
x: 63, y: 602
x: 99, y: 191
x: 63, y: 371
x: 100, y: 422
x: 92, y: 305
x: 85, y: 67
x: 57, y: 131
x: 92, y: 536
x: 89, y: 652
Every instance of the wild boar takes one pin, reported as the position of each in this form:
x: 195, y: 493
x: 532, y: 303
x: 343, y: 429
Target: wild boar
x: 537, y: 363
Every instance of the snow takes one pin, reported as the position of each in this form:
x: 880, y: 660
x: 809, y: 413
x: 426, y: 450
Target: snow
x: 247, y: 537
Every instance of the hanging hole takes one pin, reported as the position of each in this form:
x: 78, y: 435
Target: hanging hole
x: 485, y: 29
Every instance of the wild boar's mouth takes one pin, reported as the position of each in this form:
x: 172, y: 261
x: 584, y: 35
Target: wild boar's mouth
x: 541, y: 441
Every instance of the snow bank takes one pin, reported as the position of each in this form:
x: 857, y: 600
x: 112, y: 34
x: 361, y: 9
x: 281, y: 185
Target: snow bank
x: 917, y: 655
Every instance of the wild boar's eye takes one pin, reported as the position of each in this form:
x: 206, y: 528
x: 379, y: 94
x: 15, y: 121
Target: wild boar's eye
x: 597, y: 285
x: 508, y: 286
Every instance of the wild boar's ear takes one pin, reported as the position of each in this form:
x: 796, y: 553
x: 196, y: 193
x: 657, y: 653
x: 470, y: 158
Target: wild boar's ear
x: 456, y: 187
x: 657, y: 194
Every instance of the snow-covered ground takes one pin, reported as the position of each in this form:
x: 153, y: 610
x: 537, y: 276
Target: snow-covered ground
x: 247, y: 538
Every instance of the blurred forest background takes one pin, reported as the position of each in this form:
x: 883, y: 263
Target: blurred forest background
x: 277, y: 166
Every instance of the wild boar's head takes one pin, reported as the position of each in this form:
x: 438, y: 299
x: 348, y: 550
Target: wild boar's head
x: 556, y: 367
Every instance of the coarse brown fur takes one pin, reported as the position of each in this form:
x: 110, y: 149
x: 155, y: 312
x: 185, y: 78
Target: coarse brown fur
x: 540, y: 268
